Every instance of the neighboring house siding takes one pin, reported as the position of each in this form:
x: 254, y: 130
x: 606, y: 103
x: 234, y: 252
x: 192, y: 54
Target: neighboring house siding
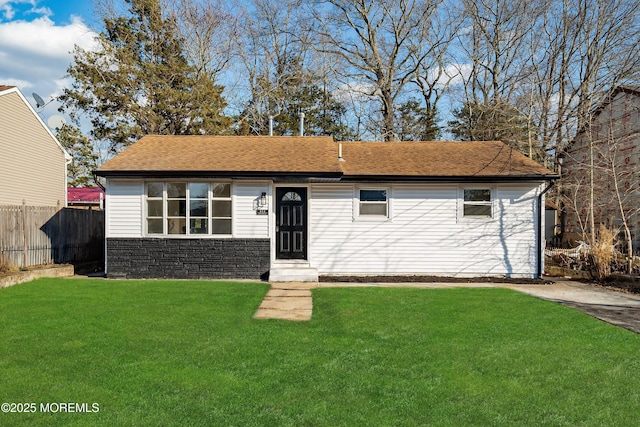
x: 124, y: 208
x: 32, y: 164
x: 424, y: 234
x: 246, y: 222
x: 614, y: 137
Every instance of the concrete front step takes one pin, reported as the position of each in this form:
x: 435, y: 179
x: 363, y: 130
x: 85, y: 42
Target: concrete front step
x: 293, y: 274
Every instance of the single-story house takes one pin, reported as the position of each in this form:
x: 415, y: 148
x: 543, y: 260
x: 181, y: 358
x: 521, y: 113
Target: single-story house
x: 294, y: 208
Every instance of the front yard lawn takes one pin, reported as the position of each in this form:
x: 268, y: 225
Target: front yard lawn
x: 190, y: 353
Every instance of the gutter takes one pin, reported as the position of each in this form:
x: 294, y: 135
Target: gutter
x: 336, y: 175
x: 215, y: 174
x: 447, y: 178
x: 539, y: 236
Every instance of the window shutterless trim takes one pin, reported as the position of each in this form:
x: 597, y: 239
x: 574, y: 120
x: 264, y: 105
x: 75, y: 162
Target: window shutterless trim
x: 480, y: 205
x: 210, y: 199
x: 359, y: 203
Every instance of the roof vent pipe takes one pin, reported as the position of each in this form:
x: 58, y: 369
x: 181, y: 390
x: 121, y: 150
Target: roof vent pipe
x: 301, y: 124
x: 340, y: 158
x: 270, y: 125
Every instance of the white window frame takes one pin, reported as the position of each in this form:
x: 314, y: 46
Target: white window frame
x: 207, y: 199
x: 212, y: 199
x: 490, y: 203
x: 163, y: 200
x: 165, y: 217
x: 372, y: 217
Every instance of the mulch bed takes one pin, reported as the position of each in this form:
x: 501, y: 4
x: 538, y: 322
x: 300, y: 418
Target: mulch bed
x: 431, y: 279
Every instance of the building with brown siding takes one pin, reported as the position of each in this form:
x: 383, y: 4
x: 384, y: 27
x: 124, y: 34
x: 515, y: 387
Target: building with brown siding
x: 33, y: 164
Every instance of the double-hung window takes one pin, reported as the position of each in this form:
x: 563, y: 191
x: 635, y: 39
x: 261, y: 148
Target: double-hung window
x: 188, y: 208
x: 476, y: 203
x: 373, y: 202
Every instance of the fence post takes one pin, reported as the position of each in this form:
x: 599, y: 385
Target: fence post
x: 59, y: 238
x: 24, y: 233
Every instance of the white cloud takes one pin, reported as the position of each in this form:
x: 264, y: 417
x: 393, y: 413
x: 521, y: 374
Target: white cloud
x: 44, y: 38
x: 41, y: 11
x: 452, y: 75
x: 355, y: 91
x: 15, y: 82
x: 35, y: 54
x: 7, y: 11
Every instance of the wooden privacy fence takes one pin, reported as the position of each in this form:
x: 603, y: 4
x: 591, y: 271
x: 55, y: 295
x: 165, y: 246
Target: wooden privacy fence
x: 34, y: 235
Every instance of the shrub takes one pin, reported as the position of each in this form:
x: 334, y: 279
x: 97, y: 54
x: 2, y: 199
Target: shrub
x: 603, y: 252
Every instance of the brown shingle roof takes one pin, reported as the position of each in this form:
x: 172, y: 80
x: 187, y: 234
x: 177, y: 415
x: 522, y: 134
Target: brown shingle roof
x: 5, y: 87
x: 437, y: 159
x: 250, y: 154
x: 318, y: 156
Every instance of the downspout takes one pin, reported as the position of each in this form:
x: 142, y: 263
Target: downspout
x: 67, y: 162
x: 95, y: 179
x: 541, y: 212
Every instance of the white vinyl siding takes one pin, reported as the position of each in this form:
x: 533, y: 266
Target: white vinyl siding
x: 423, y: 235
x: 247, y: 224
x: 124, y: 208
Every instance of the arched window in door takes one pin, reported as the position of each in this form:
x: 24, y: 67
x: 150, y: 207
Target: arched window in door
x: 291, y: 196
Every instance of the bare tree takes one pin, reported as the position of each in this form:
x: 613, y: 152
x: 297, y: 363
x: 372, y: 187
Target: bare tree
x: 275, y: 35
x: 381, y: 44
x: 554, y: 57
x: 209, y: 32
x: 494, y: 40
x: 603, y: 161
x: 434, y: 70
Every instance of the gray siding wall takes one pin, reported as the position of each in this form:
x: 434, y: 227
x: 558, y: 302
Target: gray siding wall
x: 188, y: 258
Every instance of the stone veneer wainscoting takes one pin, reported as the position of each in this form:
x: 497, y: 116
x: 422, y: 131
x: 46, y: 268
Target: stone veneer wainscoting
x: 188, y: 258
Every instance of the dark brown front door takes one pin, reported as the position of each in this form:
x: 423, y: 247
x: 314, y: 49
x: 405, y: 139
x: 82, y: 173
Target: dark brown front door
x: 291, y: 223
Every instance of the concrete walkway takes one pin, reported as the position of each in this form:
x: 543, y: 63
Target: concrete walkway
x: 287, y: 301
x: 292, y: 300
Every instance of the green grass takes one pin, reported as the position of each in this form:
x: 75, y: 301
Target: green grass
x: 189, y: 353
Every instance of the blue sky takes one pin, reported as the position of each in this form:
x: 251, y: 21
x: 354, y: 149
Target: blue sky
x: 36, y: 38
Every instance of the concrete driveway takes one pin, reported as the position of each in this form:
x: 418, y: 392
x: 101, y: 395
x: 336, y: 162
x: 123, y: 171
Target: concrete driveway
x: 612, y: 306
